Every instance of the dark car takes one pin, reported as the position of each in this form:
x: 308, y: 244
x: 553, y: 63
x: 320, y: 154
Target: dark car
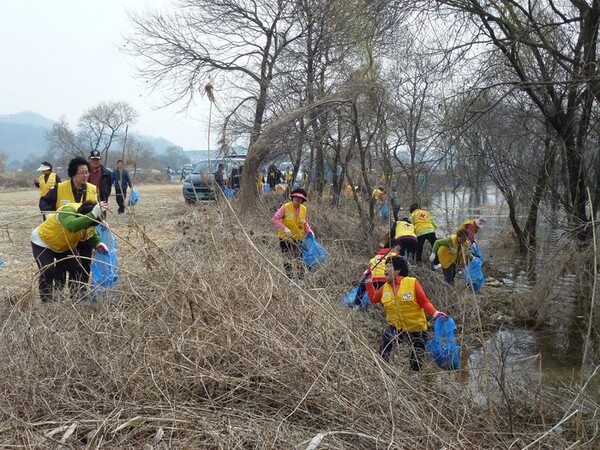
x: 199, y: 185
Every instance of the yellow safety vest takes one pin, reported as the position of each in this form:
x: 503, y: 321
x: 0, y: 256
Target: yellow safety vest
x: 377, y: 267
x: 404, y: 229
x: 402, y: 309
x: 422, y: 221
x: 64, y: 195
x: 295, y: 224
x: 449, y: 255
x: 45, y: 186
x: 57, y: 237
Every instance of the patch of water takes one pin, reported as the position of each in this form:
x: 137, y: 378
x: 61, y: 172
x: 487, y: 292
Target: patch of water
x: 551, y: 352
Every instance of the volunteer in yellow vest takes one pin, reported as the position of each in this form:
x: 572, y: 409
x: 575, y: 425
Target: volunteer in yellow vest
x: 450, y: 252
x: 75, y: 190
x: 291, y: 219
x: 376, y: 269
x: 404, y: 233
x: 472, y: 226
x: 425, y: 227
x: 47, y: 180
x: 55, y: 241
x: 405, y: 304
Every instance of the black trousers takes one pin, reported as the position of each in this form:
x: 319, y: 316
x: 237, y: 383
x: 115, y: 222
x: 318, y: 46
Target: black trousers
x: 450, y: 273
x: 421, y: 242
x: 121, y: 197
x: 416, y: 340
x: 292, y: 251
x: 55, y: 266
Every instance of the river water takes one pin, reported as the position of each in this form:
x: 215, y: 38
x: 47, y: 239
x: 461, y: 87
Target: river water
x: 550, y: 352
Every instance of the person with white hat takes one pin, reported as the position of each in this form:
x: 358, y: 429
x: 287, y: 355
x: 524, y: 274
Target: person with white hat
x: 293, y: 227
x: 47, y: 180
x: 473, y: 226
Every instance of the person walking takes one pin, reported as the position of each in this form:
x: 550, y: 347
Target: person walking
x: 55, y: 241
x: 121, y: 181
x: 292, y: 221
x: 405, y: 304
x: 273, y: 176
x: 451, y: 252
x: 74, y: 190
x: 100, y: 176
x: 425, y: 227
x: 46, y: 181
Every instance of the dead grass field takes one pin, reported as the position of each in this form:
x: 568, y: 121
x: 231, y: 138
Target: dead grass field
x: 204, y: 344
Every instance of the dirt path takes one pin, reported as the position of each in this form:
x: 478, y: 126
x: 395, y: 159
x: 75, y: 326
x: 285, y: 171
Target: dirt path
x: 157, y: 212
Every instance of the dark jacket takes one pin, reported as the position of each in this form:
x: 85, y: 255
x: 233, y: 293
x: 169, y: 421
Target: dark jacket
x: 116, y: 176
x: 106, y: 183
x: 273, y: 177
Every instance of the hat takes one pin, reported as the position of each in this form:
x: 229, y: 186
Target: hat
x: 299, y: 195
x: 45, y: 165
x: 95, y: 154
x: 480, y: 222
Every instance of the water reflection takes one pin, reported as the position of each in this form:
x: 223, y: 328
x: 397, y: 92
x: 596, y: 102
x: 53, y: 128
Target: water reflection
x: 556, y: 346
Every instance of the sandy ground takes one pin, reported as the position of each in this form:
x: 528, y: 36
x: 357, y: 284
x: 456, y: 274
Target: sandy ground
x: 157, y: 213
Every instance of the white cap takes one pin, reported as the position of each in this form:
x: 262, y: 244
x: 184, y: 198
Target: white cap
x: 480, y: 222
x: 43, y: 167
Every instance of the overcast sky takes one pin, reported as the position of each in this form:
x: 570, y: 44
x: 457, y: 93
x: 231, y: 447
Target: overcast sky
x: 62, y: 57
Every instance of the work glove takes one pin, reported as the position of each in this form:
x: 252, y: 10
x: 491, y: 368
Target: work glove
x: 440, y: 314
x: 102, y: 248
x: 99, y: 209
x: 432, y: 257
x: 287, y: 231
x: 368, y: 275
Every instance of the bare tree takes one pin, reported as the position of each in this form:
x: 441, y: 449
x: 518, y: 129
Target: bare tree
x: 548, y: 50
x: 99, y: 128
x: 235, y: 43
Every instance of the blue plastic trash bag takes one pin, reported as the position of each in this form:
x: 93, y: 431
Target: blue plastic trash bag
x: 313, y: 254
x: 475, y: 250
x: 228, y: 192
x: 1, y: 262
x: 350, y: 297
x: 266, y: 187
x: 473, y: 274
x: 384, y: 211
x: 104, y: 265
x: 134, y: 197
x: 443, y: 347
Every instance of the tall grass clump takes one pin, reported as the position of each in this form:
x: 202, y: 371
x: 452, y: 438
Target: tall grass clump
x: 203, y: 343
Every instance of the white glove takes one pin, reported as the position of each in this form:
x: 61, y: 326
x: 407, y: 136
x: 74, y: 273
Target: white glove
x: 102, y: 248
x: 287, y: 231
x: 432, y: 257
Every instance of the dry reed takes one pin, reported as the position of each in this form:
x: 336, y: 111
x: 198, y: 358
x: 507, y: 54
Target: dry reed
x: 204, y: 344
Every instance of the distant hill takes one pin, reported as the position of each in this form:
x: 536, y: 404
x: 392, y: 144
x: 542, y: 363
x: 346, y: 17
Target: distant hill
x: 27, y: 118
x: 24, y: 134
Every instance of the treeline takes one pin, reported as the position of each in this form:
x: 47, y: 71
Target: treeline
x: 503, y: 91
